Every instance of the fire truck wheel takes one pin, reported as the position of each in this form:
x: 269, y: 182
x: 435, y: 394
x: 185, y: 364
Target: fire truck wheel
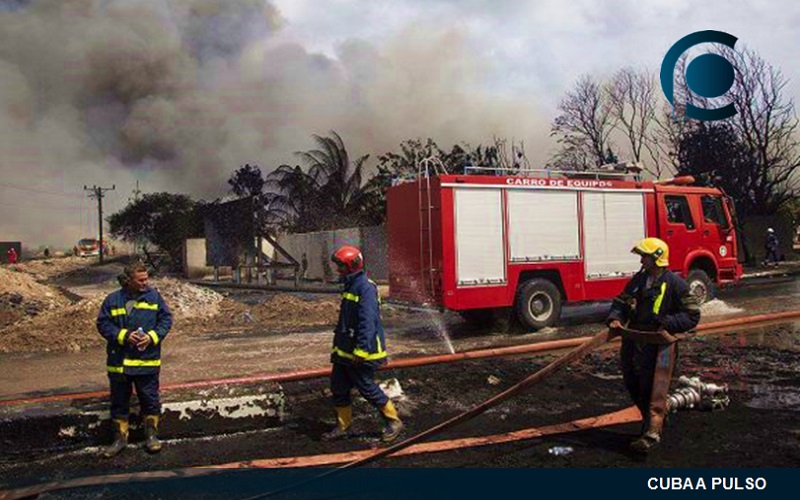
x: 700, y: 285
x: 538, y: 303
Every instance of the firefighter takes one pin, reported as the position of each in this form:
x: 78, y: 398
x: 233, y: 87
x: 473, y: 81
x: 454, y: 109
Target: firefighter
x: 134, y: 321
x: 12, y: 255
x: 771, y: 247
x: 655, y: 300
x: 359, y: 347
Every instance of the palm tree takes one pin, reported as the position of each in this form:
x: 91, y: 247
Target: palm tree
x: 329, y: 193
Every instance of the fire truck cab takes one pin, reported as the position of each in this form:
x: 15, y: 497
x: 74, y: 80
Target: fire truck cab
x: 477, y: 243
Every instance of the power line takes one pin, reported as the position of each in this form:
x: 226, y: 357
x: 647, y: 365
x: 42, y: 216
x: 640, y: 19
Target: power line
x: 46, y: 207
x: 32, y: 190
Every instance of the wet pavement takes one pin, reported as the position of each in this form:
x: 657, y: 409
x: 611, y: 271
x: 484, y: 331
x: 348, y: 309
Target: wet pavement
x: 409, y: 333
x: 760, y: 428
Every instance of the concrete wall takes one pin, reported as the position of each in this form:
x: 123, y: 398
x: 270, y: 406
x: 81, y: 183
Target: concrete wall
x: 755, y: 231
x: 194, y: 258
x: 319, y: 246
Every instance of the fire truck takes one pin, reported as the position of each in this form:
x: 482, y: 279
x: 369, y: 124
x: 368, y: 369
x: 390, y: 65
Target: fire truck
x: 532, y: 241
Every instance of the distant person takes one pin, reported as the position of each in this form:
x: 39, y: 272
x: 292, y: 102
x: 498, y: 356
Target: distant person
x: 12, y: 255
x: 359, y: 347
x: 113, y: 250
x: 304, y: 266
x: 46, y: 252
x: 659, y: 301
x: 771, y: 246
x: 134, y: 321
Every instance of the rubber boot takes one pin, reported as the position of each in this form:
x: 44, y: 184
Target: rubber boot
x: 151, y: 442
x: 344, y: 418
x: 393, y: 425
x: 657, y: 410
x: 120, y: 427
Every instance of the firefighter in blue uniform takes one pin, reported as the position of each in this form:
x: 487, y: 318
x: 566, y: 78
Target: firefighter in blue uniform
x: 655, y: 300
x: 134, y: 321
x: 359, y: 347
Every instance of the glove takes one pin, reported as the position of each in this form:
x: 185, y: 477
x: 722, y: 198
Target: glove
x: 614, y: 329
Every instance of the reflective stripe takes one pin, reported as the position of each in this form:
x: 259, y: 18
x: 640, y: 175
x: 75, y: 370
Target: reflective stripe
x: 350, y: 296
x: 141, y: 362
x: 368, y: 357
x: 121, y: 336
x: 146, y: 305
x: 118, y: 312
x: 115, y: 369
x: 660, y: 298
x: 380, y: 349
x: 153, y: 336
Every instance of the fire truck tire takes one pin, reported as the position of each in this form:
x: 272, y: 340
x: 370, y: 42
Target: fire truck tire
x: 701, y: 285
x: 538, y: 303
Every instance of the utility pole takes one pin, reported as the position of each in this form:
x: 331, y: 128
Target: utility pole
x: 98, y: 193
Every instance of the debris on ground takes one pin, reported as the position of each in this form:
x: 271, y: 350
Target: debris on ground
x: 392, y: 388
x: 560, y: 450
x: 493, y: 380
x: 186, y: 300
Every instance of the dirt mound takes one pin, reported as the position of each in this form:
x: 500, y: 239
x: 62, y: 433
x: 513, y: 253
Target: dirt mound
x: 280, y: 310
x: 45, y: 269
x: 196, y: 310
x: 25, y: 286
x: 69, y: 328
x: 21, y: 296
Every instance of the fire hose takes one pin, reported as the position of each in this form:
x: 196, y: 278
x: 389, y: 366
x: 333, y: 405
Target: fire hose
x: 690, y: 395
x: 579, y: 352
x: 402, y: 363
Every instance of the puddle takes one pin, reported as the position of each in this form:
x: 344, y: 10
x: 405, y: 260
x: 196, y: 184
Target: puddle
x: 772, y: 397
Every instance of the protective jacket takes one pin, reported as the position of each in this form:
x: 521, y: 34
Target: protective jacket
x: 667, y: 304
x: 122, y: 314
x: 359, y: 331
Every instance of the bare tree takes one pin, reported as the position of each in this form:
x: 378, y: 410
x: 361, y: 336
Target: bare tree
x: 584, y: 125
x: 767, y: 124
x: 632, y: 99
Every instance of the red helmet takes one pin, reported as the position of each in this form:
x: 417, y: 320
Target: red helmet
x: 348, y: 259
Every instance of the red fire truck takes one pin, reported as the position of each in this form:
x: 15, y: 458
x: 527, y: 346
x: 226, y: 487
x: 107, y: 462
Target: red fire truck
x: 478, y: 243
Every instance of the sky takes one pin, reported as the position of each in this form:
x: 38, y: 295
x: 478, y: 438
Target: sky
x: 177, y: 95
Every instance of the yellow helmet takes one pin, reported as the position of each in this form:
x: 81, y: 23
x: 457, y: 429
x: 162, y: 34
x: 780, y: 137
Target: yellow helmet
x: 654, y: 247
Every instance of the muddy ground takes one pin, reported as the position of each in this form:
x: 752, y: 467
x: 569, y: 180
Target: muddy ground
x: 760, y: 428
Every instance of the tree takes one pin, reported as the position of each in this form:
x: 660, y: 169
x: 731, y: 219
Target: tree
x: 249, y: 181
x: 165, y: 220
x: 767, y: 124
x: 714, y: 154
x: 632, y: 99
x: 583, y: 127
x: 328, y: 194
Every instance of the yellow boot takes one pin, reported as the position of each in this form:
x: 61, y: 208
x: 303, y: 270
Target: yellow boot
x: 344, y: 418
x: 151, y: 443
x: 120, y: 438
x: 393, y: 423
